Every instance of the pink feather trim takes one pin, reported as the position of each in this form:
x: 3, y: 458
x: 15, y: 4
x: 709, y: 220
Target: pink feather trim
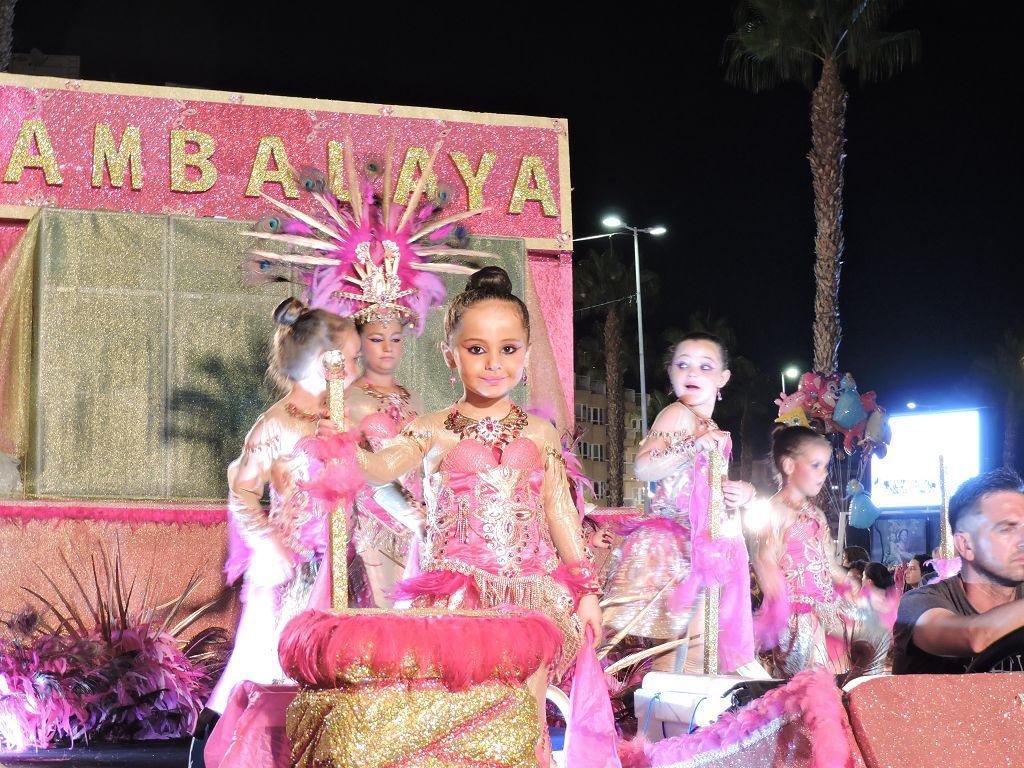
x: 578, y: 578
x: 333, y: 471
x: 438, y: 584
x: 318, y: 649
x: 57, y: 512
x: 811, y: 696
x: 946, y: 568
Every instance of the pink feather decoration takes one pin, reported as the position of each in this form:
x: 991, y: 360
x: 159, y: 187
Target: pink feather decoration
x: 319, y: 649
x: 946, y: 568
x: 333, y: 471
x: 811, y: 697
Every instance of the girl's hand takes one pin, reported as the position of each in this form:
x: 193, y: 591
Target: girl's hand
x: 327, y: 428
x: 714, y: 438
x: 737, y: 493
x: 589, y: 612
x: 601, y: 538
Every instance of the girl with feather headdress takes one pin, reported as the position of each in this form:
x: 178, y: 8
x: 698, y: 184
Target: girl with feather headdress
x: 365, y: 265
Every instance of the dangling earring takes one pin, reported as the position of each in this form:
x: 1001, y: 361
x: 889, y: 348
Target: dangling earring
x: 526, y: 379
x: 719, y: 395
x: 452, y: 380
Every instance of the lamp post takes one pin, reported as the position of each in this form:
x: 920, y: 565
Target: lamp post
x: 614, y: 222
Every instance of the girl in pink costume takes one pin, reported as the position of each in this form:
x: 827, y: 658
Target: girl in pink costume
x: 388, y: 518
x: 656, y: 587
x: 796, y: 562
x: 271, y: 546
x: 501, y: 525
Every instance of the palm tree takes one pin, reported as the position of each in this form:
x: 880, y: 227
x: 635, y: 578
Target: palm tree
x: 1005, y: 368
x: 602, y: 285
x: 812, y: 41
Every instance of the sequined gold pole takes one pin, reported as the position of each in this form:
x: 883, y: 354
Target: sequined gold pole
x: 334, y: 372
x: 715, y: 465
x: 945, y: 534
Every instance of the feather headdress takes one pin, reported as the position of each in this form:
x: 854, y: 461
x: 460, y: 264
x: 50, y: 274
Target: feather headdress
x: 370, y: 258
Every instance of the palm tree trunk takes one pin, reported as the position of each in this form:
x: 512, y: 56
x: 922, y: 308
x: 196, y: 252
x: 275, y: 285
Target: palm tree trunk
x: 6, y: 33
x: 828, y: 120
x: 1010, y: 430
x: 616, y: 423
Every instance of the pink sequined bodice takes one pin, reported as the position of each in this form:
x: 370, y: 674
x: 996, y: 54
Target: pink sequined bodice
x: 805, y: 562
x: 487, y: 510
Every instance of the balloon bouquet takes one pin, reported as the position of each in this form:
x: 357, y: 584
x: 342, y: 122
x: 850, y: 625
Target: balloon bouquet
x: 856, y: 426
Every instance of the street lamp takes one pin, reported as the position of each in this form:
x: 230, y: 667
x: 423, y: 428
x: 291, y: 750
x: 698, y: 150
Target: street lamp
x: 614, y: 222
x: 790, y: 373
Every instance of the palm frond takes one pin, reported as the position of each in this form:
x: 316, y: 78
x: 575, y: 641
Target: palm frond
x: 634, y: 658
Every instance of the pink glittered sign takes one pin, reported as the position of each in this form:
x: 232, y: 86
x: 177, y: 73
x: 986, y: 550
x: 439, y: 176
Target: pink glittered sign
x: 144, y: 149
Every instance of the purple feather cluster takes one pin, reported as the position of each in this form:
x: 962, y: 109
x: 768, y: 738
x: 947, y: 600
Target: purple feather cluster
x: 138, y: 684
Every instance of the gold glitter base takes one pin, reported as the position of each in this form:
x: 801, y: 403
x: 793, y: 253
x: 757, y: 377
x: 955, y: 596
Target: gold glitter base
x: 419, y: 725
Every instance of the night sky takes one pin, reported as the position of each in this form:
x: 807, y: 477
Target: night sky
x: 933, y: 196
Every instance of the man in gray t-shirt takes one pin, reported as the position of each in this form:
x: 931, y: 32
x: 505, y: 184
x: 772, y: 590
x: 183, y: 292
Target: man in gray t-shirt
x: 941, y: 627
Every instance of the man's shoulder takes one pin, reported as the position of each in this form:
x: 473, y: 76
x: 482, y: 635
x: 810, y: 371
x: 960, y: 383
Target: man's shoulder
x: 946, y: 594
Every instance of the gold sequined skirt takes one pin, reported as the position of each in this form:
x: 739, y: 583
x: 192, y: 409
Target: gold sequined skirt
x: 650, y: 558
x: 420, y: 724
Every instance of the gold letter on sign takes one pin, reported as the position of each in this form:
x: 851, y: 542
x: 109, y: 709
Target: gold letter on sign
x: 182, y: 159
x: 474, y: 181
x: 33, y: 131
x: 336, y: 169
x: 532, y: 169
x: 117, y: 159
x: 415, y: 158
x: 271, y: 147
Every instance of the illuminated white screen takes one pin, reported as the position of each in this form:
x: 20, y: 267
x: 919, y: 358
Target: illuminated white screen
x: 908, y: 476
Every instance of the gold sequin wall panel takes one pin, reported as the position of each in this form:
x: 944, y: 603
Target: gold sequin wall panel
x: 149, y: 353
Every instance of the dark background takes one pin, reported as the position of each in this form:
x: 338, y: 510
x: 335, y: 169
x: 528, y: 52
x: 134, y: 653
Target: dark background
x: 933, y: 193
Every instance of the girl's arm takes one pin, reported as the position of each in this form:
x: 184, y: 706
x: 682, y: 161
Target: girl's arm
x: 669, y: 445
x: 271, y: 562
x: 247, y: 477
x: 402, y: 454
x: 839, y: 574
x: 769, y: 553
x: 567, y: 534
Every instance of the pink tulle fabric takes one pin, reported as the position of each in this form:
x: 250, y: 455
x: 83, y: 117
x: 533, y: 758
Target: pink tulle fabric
x: 251, y: 732
x: 591, y: 738
x: 810, y: 696
x: 722, y: 563
x: 318, y: 647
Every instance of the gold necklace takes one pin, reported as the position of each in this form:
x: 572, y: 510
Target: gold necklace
x: 371, y: 390
x: 295, y: 412
x: 488, y: 430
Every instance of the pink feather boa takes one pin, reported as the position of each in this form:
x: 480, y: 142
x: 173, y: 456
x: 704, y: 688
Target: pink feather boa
x: 317, y: 648
x: 811, y: 696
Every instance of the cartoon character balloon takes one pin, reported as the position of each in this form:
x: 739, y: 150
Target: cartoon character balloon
x: 849, y: 410
x: 863, y: 511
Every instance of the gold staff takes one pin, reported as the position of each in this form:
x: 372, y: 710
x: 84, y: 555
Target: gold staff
x: 715, y: 465
x: 945, y: 534
x: 334, y: 372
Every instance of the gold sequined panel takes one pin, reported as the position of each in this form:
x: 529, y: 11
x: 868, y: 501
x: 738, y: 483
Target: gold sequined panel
x: 422, y: 725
